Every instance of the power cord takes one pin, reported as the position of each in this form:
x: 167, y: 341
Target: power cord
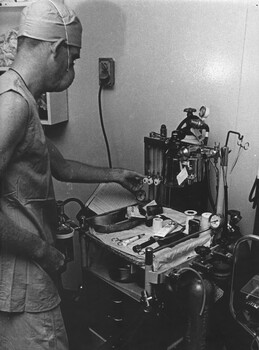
x: 102, y: 124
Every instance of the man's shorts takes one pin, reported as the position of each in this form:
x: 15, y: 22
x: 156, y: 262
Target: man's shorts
x: 33, y: 331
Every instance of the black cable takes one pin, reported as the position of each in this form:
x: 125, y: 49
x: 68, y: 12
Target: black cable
x: 73, y: 199
x: 102, y: 124
x: 184, y: 121
x: 210, y: 196
x: 224, y: 171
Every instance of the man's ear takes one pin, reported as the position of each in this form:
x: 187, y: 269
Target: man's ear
x: 56, y: 46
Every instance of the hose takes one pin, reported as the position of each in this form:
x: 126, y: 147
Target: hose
x: 185, y: 269
x: 72, y: 199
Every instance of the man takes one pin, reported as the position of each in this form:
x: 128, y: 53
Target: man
x: 49, y: 42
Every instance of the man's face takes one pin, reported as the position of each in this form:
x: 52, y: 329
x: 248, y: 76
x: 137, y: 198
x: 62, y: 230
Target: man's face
x: 64, y: 73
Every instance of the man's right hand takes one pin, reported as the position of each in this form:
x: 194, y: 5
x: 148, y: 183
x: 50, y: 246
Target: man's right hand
x: 52, y: 260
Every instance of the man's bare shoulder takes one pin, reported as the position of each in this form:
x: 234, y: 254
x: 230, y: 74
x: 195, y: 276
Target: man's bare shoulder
x: 13, y: 108
x: 13, y: 101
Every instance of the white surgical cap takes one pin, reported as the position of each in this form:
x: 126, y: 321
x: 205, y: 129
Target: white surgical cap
x: 50, y: 20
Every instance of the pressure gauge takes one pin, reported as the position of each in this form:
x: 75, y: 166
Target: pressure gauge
x: 216, y: 221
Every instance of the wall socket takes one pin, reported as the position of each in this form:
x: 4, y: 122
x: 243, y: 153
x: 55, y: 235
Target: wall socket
x: 106, y: 72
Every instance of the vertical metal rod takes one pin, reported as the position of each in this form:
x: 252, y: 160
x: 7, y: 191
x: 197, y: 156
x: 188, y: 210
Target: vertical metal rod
x: 148, y: 269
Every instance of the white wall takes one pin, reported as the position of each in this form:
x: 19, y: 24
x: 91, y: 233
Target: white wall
x: 169, y: 55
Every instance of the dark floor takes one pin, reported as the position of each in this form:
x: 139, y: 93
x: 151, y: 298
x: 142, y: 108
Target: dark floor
x: 146, y: 332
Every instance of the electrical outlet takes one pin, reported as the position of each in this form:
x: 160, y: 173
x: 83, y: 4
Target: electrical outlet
x: 106, y: 72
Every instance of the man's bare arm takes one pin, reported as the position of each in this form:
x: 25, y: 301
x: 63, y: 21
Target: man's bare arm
x: 74, y: 171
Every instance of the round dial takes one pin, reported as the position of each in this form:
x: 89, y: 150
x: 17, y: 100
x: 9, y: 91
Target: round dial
x: 141, y: 195
x: 216, y: 221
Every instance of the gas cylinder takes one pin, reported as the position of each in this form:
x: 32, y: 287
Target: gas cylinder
x: 199, y: 304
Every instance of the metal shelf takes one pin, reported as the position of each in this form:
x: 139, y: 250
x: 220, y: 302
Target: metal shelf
x: 132, y: 289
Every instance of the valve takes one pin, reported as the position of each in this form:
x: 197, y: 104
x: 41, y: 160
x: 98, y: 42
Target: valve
x: 190, y: 112
x: 202, y: 251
